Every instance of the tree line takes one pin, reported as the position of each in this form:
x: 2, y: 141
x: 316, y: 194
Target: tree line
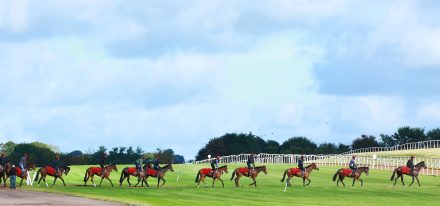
x: 43, y: 154
x: 233, y: 144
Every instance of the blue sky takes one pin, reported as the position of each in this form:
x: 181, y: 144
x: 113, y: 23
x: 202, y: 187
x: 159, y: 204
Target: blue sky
x: 79, y: 74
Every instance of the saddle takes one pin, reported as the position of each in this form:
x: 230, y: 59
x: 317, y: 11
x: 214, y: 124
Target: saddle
x: 406, y: 170
x: 347, y: 172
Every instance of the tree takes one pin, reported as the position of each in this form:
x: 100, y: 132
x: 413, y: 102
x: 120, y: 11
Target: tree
x: 165, y: 156
x: 327, y: 148
x: 434, y: 134
x: 343, y: 148
x: 404, y: 135
x: 8, y: 147
x: 298, y: 145
x: 387, y: 140
x: 178, y: 159
x: 232, y: 144
x: 272, y: 147
x: 41, y: 156
x: 364, y: 142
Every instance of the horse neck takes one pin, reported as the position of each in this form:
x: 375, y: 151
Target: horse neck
x: 259, y: 169
x: 310, y: 168
x: 362, y: 169
x: 166, y: 168
x: 222, y: 169
x: 418, y: 166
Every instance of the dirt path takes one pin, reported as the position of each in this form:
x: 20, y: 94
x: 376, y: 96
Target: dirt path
x: 21, y: 197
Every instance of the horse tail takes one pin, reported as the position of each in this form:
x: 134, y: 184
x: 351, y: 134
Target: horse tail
x: 197, y: 176
x: 86, y: 175
x: 284, y: 176
x: 36, y: 176
x: 394, y: 174
x: 233, y: 175
x: 336, y: 174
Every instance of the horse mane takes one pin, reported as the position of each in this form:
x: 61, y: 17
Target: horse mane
x: 260, y: 167
x: 363, y: 167
x: 310, y: 165
x: 422, y: 162
x: 223, y: 166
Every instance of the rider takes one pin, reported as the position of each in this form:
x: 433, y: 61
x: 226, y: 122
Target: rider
x: 56, y: 164
x: 3, y: 160
x: 138, y: 163
x: 156, y: 165
x: 353, y: 165
x: 23, y: 163
x: 410, y: 164
x: 103, y: 161
x: 301, y: 165
x: 214, y: 164
x: 251, y: 161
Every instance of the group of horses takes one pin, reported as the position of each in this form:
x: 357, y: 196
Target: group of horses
x: 339, y: 176
x: 147, y: 172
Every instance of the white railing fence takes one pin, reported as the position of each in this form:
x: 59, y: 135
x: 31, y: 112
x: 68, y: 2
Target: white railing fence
x: 408, y: 146
x: 378, y: 163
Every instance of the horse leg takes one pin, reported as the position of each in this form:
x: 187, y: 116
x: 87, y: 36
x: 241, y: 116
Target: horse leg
x: 401, y: 178
x: 308, y: 182
x: 163, y: 181
x: 100, y: 182
x: 203, y: 180
x: 236, y: 181
x: 223, y: 185
x: 61, y: 178
x: 91, y: 179
x: 288, y: 181
x: 158, y: 181
x: 146, y: 182
x: 128, y: 180
x: 304, y: 181
x: 21, y: 181
x: 362, y: 182
x: 417, y: 178
x: 395, y: 180
x: 342, y: 181
x: 213, y: 180
x: 54, y: 180
x: 254, y: 183
x: 412, y: 180
x: 354, y: 179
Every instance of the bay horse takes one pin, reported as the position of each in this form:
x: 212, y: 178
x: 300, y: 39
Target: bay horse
x: 243, y: 171
x: 132, y: 171
x: 20, y: 174
x: 48, y: 170
x: 4, y: 170
x: 156, y: 174
x: 344, y: 172
x: 296, y: 172
x: 407, y: 171
x: 207, y: 172
x: 92, y: 171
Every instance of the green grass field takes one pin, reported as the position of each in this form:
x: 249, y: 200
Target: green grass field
x: 377, y: 189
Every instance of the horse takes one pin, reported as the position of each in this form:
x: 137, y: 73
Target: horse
x: 243, y: 171
x: 47, y: 170
x: 343, y: 172
x: 296, y: 172
x: 4, y: 170
x: 207, y: 172
x: 156, y: 174
x: 92, y: 171
x: 407, y: 171
x: 132, y: 171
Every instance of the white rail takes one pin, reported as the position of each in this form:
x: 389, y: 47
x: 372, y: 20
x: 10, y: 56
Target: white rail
x: 378, y: 163
x: 408, y: 146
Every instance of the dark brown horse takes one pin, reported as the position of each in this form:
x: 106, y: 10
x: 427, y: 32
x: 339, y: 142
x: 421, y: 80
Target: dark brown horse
x: 207, y: 172
x: 132, y: 171
x: 243, y: 171
x: 156, y: 174
x: 92, y: 171
x: 3, y: 172
x: 407, y: 171
x: 44, y: 171
x: 21, y: 174
x: 296, y: 172
x: 344, y: 172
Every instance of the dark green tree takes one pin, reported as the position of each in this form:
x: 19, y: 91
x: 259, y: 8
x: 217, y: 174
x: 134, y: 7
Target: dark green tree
x: 365, y: 141
x: 327, y: 148
x: 434, y: 134
x: 298, y: 145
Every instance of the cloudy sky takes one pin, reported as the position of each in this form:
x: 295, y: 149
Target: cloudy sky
x: 173, y: 74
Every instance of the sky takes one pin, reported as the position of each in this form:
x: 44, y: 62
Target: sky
x: 174, y: 74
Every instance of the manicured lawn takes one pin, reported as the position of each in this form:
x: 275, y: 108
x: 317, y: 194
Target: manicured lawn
x: 377, y: 189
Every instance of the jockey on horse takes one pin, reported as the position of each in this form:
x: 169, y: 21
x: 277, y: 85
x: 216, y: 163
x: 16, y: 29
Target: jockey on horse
x: 4, y: 167
x: 103, y: 162
x: 249, y: 162
x: 214, y: 164
x: 352, y: 165
x: 23, y: 164
x: 410, y: 164
x: 156, y: 165
x: 301, y: 165
x: 56, y: 163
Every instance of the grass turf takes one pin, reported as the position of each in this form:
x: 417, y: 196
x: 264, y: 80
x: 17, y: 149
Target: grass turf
x: 377, y: 189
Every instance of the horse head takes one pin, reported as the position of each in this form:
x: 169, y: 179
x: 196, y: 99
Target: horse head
x: 421, y: 164
x: 113, y: 167
x: 226, y: 169
x: 366, y: 170
x: 31, y: 166
x: 66, y: 170
x: 265, y: 169
x: 313, y: 166
x: 171, y: 167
